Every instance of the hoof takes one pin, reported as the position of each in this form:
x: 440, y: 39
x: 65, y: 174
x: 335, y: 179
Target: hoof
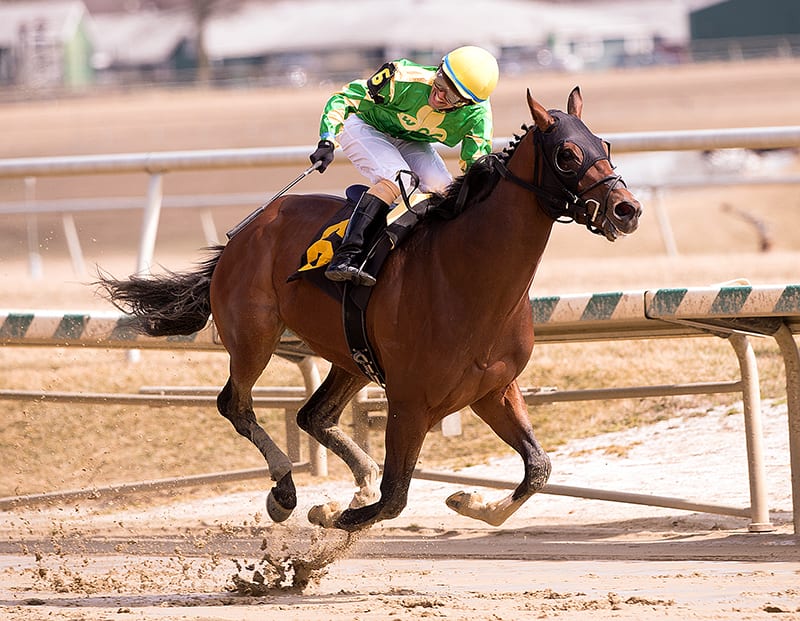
x: 473, y: 506
x: 276, y: 511
x: 465, y: 503
x: 282, y: 499
x: 325, y: 515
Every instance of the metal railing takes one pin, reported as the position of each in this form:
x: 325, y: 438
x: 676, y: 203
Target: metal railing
x: 157, y: 164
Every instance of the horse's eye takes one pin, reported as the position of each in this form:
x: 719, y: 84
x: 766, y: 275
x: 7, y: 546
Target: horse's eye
x: 565, y: 161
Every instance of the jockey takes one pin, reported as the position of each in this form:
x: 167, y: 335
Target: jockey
x: 387, y: 124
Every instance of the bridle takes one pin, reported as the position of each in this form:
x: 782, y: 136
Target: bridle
x: 557, y: 187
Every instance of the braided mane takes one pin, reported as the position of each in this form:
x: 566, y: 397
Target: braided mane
x: 480, y: 180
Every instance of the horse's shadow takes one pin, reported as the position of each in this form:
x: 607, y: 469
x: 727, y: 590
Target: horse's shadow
x: 686, y: 537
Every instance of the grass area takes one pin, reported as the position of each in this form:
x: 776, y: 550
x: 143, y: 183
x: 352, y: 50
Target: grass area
x: 613, y: 364
x: 49, y: 447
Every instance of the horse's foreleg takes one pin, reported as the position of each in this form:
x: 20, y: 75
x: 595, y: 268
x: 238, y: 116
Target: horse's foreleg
x: 404, y: 437
x: 507, y: 414
x: 319, y: 417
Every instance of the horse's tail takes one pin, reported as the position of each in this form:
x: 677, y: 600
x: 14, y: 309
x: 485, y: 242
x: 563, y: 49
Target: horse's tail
x: 164, y: 305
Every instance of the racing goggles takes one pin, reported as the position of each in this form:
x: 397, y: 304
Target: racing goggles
x: 442, y: 84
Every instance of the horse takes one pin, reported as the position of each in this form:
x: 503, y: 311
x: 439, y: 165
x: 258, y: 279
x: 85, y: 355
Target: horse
x: 449, y: 319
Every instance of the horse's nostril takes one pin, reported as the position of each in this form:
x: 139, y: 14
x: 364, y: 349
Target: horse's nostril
x: 625, y: 211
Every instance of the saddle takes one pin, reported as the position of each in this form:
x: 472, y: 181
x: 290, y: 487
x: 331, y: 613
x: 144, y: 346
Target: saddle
x: 355, y: 298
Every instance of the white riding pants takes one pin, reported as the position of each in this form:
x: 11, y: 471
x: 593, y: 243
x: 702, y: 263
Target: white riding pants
x: 379, y: 156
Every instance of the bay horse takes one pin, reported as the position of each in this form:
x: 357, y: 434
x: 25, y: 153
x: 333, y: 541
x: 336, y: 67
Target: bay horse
x: 449, y: 319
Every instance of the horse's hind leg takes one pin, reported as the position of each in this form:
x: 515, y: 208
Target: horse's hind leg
x: 319, y: 417
x: 249, y: 357
x: 507, y: 414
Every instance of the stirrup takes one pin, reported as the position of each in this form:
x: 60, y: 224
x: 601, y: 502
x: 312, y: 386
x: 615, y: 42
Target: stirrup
x: 341, y: 272
x: 345, y: 272
x: 364, y: 279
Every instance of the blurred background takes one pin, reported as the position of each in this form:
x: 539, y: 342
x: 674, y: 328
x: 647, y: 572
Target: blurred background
x: 80, y: 45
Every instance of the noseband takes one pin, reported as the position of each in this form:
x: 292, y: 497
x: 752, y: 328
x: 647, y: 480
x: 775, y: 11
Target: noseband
x: 558, y: 188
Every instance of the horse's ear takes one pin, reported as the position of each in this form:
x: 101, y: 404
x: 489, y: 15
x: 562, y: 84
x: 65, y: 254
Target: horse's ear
x: 541, y: 116
x: 575, y: 102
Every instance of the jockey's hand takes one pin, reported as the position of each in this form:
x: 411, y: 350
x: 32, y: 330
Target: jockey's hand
x: 324, y: 154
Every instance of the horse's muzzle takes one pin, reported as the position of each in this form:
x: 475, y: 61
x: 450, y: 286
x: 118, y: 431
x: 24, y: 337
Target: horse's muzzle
x: 623, y: 218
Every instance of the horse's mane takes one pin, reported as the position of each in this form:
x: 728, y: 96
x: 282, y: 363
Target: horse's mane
x: 478, y: 182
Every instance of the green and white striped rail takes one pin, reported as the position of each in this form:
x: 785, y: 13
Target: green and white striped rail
x: 558, y: 319
x: 596, y: 316
x: 666, y: 312
x: 776, y: 304
x: 89, y: 328
x: 111, y: 329
x: 574, y: 317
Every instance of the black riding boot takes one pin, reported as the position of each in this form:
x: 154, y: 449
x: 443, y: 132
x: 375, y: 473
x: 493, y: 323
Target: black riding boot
x: 347, y: 259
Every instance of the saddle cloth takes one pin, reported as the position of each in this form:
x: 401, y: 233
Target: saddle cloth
x: 354, y: 298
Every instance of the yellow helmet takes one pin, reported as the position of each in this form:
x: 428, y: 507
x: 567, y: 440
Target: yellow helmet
x: 473, y: 71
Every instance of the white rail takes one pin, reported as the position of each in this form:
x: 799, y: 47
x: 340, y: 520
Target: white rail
x: 160, y: 163
x: 175, y: 161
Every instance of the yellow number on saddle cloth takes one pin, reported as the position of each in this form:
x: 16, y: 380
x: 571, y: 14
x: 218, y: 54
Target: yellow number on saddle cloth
x: 321, y: 251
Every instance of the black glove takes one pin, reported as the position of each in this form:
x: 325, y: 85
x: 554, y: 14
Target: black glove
x: 324, y: 154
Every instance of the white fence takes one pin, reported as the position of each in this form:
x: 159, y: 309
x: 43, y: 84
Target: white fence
x: 156, y: 165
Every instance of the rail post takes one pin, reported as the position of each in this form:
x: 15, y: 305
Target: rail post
x: 753, y: 432
x: 152, y: 213
x: 32, y: 226
x: 791, y: 361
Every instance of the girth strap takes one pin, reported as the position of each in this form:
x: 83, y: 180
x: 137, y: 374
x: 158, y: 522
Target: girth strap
x: 354, y: 316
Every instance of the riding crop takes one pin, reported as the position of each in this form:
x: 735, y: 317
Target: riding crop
x: 238, y: 228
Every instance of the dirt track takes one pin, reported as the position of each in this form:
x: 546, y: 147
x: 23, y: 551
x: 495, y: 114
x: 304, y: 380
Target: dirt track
x: 216, y: 557
x: 666, y: 567
x: 400, y: 583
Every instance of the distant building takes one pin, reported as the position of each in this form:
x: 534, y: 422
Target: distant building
x: 144, y: 46
x: 55, y: 43
x: 296, y: 42
x: 323, y: 36
x: 745, y: 29
x: 98, y: 7
x: 746, y: 18
x: 45, y: 44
